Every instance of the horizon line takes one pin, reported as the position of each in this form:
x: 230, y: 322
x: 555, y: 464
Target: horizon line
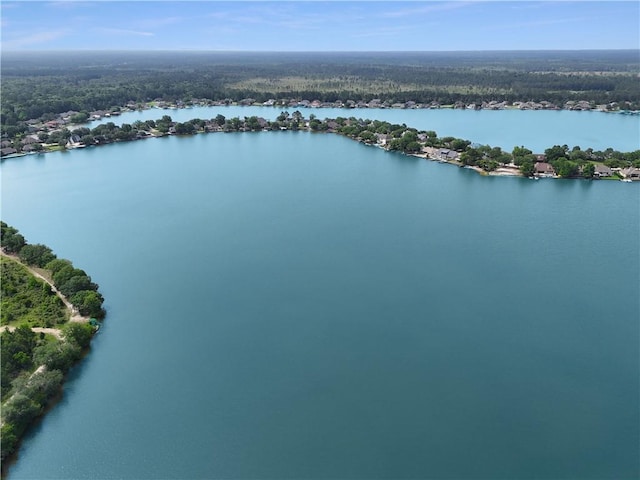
x: 314, y: 51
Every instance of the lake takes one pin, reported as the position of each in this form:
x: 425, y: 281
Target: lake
x: 297, y: 305
x: 534, y: 129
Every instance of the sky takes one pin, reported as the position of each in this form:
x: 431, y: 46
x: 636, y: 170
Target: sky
x: 319, y: 25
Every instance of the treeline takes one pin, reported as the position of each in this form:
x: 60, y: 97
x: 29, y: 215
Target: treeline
x: 40, y: 84
x: 32, y: 372
x: 72, y: 282
x: 33, y: 365
x: 567, y: 162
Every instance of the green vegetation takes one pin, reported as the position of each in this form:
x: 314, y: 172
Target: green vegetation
x: 33, y: 364
x: 26, y: 299
x: 33, y: 369
x: 566, y: 162
x: 42, y: 85
x: 73, y: 283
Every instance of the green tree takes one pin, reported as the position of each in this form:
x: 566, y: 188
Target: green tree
x: 38, y: 255
x: 76, y: 284
x: 65, y: 273
x: 11, y: 241
x: 9, y: 440
x: 80, y: 333
x: 565, y: 168
x: 556, y: 152
x: 20, y: 411
x: 58, y: 264
x: 184, y: 128
x: 527, y: 168
x: 88, y: 302
x: 57, y: 355
x: 588, y: 170
x: 80, y: 117
x: 40, y: 386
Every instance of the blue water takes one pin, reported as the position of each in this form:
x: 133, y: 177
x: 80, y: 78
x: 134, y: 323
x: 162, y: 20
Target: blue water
x: 536, y: 130
x: 296, y: 305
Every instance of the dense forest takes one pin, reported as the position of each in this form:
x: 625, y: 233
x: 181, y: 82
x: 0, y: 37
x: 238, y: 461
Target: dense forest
x: 34, y: 363
x: 46, y: 83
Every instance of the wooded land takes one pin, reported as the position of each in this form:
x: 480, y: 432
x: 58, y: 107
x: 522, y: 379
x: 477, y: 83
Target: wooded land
x: 46, y: 83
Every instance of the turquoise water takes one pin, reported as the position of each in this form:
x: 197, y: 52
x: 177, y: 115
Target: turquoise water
x: 537, y: 130
x: 291, y: 305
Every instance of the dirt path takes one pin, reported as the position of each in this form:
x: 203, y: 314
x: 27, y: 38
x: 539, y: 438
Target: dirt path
x: 56, y: 332
x: 74, y: 315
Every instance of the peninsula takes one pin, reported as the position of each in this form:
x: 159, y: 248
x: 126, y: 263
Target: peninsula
x: 50, y: 311
x: 557, y: 161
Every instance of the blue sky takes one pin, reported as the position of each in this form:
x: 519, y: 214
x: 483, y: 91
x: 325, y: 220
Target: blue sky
x: 319, y: 26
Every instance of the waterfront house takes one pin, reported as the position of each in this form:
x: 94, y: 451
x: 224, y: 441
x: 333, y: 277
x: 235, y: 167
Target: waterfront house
x: 74, y: 141
x: 8, y: 151
x: 602, y: 171
x: 383, y: 138
x: 544, y: 169
x: 631, y: 173
x: 30, y: 139
x: 446, y: 154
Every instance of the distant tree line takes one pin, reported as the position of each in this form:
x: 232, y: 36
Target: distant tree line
x: 48, y: 84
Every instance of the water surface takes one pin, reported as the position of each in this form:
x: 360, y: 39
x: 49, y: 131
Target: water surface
x: 295, y: 305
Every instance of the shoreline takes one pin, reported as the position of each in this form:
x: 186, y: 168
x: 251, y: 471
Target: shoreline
x: 297, y: 122
x: 50, y: 360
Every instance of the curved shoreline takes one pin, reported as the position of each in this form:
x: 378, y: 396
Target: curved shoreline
x: 425, y: 146
x: 37, y: 375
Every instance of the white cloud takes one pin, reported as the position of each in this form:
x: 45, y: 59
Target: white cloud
x: 34, y: 39
x: 431, y: 7
x: 123, y: 31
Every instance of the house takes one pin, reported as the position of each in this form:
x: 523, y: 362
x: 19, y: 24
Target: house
x: 602, y: 171
x: 74, y: 141
x: 446, y: 154
x: 631, y: 173
x: 8, y: 151
x: 383, y: 138
x: 544, y: 169
x: 30, y: 139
